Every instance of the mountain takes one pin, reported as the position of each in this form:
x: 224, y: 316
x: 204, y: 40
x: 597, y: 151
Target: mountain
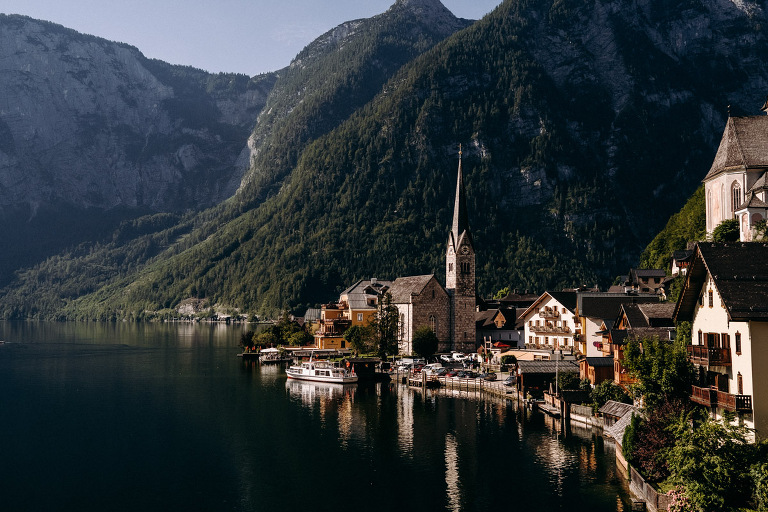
x: 585, y: 126
x: 92, y: 132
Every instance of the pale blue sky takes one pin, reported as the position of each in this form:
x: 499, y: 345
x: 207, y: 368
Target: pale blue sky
x: 243, y: 36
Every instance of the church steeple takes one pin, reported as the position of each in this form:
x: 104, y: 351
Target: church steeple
x: 460, y: 225
x: 460, y: 272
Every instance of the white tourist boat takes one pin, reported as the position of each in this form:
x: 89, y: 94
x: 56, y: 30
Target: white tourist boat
x: 321, y: 371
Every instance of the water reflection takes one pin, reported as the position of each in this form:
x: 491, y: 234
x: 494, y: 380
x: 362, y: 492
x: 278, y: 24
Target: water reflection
x: 452, y: 473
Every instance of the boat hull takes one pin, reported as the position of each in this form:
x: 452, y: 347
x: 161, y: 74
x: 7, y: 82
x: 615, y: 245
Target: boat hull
x: 349, y: 379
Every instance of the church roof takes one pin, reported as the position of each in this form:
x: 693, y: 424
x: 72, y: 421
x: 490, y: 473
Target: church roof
x: 744, y: 145
x: 404, y: 287
x: 761, y: 183
x: 752, y: 202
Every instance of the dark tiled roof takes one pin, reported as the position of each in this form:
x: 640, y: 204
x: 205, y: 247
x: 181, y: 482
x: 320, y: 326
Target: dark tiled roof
x: 567, y: 299
x: 616, y: 409
x: 621, y: 336
x: 682, y: 255
x: 404, y: 287
x: 740, y: 272
x: 599, y: 361
x: 608, y: 305
x: 648, y: 272
x: 744, y: 145
x: 760, y: 184
x: 548, y: 366
x: 752, y: 201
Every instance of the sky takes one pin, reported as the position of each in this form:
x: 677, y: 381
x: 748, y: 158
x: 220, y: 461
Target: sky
x: 234, y: 36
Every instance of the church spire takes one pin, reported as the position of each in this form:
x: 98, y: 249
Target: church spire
x: 460, y: 217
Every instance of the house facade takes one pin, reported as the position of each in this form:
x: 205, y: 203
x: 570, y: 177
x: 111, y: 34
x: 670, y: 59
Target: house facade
x: 551, y: 322
x: 725, y: 297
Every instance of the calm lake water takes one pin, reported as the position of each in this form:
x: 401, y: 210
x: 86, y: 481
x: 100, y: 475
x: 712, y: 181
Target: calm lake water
x: 97, y: 417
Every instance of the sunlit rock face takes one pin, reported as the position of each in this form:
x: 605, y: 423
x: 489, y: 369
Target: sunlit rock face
x: 91, y: 123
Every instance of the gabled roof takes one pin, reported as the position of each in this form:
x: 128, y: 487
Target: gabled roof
x: 648, y: 315
x: 744, y: 145
x: 647, y: 272
x: 566, y: 299
x: 607, y: 305
x: 622, y: 336
x: 680, y: 256
x: 740, y: 273
x: 752, y: 201
x: 404, y: 287
x: 358, y: 293
x: 616, y: 409
x: 760, y: 184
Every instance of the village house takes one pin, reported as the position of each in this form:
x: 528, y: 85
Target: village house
x: 725, y: 297
x: 596, y: 369
x: 499, y: 325
x: 551, y: 323
x: 636, y: 321
x: 593, y: 309
x: 642, y: 280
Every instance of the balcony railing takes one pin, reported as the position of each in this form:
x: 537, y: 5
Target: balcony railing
x: 549, y: 313
x: 704, y: 396
x: 707, y: 356
x: 712, y: 397
x: 551, y: 329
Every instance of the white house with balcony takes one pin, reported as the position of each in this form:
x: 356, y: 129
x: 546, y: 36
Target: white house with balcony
x: 725, y: 297
x: 551, y: 322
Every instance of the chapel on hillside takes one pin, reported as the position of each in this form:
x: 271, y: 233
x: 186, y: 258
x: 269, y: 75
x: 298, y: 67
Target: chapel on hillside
x: 736, y: 186
x: 420, y: 300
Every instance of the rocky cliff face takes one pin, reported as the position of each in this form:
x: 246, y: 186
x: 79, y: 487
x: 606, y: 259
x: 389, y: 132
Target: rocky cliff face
x: 91, y: 123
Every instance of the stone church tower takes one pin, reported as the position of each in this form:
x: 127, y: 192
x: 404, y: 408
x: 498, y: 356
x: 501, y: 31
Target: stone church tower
x: 460, y: 274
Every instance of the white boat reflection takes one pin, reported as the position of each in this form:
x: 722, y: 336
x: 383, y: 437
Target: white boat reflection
x: 310, y: 392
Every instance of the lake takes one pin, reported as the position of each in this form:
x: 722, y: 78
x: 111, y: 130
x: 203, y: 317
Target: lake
x: 97, y: 417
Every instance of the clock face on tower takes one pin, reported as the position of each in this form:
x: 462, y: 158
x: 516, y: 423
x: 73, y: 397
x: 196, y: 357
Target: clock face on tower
x: 465, y: 250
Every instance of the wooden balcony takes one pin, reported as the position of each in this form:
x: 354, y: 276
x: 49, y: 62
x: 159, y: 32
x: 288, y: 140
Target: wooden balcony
x: 551, y: 329
x: 549, y: 313
x: 704, y: 396
x: 706, y: 356
x: 711, y: 397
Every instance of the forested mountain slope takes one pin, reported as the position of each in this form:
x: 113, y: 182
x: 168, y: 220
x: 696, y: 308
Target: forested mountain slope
x: 585, y: 125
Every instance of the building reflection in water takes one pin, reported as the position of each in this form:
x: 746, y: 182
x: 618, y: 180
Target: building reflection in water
x: 452, y: 472
x: 405, y: 423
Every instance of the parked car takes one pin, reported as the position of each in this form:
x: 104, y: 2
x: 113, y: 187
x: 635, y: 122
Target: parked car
x: 446, y: 358
x: 458, y: 356
x: 440, y: 372
x: 510, y: 381
x: 489, y: 376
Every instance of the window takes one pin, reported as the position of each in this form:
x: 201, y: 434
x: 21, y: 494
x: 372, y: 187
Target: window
x: 700, y: 337
x: 563, y: 310
x: 465, y: 268
x: 738, y: 343
x: 740, y: 383
x: 450, y: 267
x: 359, y: 317
x: 725, y: 340
x: 432, y: 323
x: 735, y: 196
x: 711, y: 298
